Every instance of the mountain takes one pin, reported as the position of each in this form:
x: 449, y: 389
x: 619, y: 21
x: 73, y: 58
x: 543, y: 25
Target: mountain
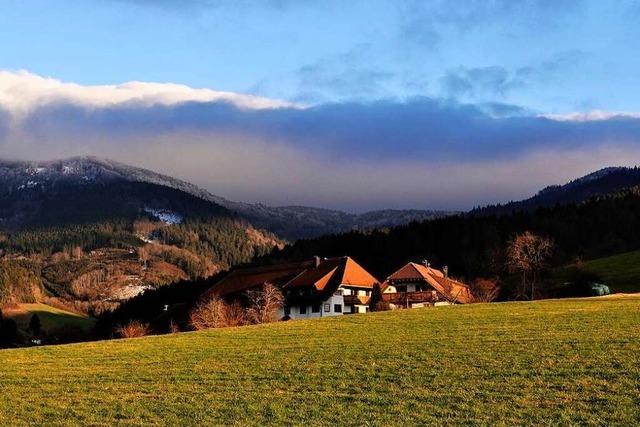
x: 91, y: 232
x: 95, y: 232
x: 289, y: 222
x: 599, y: 183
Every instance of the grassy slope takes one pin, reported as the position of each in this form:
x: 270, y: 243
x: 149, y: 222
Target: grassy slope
x: 620, y: 272
x: 50, y: 317
x: 563, y: 361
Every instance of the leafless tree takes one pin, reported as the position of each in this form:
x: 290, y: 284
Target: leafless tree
x: 264, y: 304
x: 143, y: 256
x: 527, y: 254
x: 485, y: 290
x: 208, y: 314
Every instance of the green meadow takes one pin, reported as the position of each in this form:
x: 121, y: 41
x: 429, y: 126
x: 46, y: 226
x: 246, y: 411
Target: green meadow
x: 548, y: 362
x: 620, y: 272
x: 51, y: 318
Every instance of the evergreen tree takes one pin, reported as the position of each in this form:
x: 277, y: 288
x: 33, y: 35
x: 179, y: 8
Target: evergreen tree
x: 35, y: 326
x: 376, y: 297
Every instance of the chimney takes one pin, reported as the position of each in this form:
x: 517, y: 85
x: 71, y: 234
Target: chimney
x: 445, y: 270
x: 426, y: 263
x: 316, y: 261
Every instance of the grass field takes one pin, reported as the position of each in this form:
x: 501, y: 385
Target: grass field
x: 51, y: 318
x: 620, y: 272
x: 546, y: 362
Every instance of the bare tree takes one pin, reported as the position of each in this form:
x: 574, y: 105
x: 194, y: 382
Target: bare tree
x: 208, y: 314
x: 264, y: 304
x: 484, y: 290
x: 143, y: 256
x: 527, y: 254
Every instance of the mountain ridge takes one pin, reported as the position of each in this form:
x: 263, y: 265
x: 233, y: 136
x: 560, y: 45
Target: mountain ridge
x: 289, y: 222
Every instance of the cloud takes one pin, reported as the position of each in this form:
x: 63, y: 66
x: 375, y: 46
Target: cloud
x: 420, y: 152
x: 22, y: 92
x: 480, y: 81
x: 498, y: 81
x: 425, y: 23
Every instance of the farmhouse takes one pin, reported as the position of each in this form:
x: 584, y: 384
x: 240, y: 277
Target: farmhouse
x: 333, y: 287
x: 420, y: 285
x: 241, y: 280
x: 314, y: 288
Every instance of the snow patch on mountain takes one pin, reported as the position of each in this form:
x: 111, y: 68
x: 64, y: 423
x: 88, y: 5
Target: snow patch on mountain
x: 164, y: 215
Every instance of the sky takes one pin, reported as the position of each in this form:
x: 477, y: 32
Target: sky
x: 352, y: 105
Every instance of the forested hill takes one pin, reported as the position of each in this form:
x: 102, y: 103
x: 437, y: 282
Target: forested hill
x: 289, y: 222
x: 91, y: 238
x: 474, y: 245
x: 602, y: 182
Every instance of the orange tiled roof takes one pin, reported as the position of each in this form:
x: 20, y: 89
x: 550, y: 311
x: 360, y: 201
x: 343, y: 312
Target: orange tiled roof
x: 333, y: 272
x: 243, y: 279
x: 449, y: 288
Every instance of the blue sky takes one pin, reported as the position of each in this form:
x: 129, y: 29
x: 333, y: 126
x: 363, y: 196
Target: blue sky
x: 355, y: 105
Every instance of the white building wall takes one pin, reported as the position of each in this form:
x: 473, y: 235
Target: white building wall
x: 331, y: 301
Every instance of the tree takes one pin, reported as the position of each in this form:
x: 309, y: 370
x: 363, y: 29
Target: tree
x: 376, y: 302
x: 8, y: 333
x: 527, y: 254
x: 215, y: 313
x: 35, y: 327
x: 264, y: 304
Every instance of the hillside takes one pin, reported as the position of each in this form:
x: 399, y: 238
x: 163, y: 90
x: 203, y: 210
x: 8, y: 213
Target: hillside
x: 552, y: 362
x: 602, y: 182
x: 475, y: 245
x: 289, y: 222
x: 91, y: 235
x: 620, y: 272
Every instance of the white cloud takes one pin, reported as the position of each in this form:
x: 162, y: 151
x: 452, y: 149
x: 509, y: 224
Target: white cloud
x: 21, y: 92
x: 592, y: 116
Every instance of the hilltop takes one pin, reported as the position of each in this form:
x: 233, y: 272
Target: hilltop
x: 547, y: 362
x: 288, y: 222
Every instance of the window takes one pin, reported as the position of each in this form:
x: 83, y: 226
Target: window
x: 347, y: 292
x: 338, y: 292
x: 315, y: 308
x: 337, y: 308
x: 287, y: 310
x: 327, y: 308
x: 401, y: 288
x: 303, y: 309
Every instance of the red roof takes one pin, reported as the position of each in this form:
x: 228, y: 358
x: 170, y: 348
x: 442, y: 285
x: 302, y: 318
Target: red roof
x: 450, y: 289
x: 333, y: 272
x: 244, y: 279
x: 320, y: 275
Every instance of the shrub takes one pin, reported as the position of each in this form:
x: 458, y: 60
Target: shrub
x: 133, y: 329
x: 484, y: 290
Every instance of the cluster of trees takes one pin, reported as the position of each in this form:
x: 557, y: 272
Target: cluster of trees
x: 224, y: 240
x: 263, y: 307
x: 258, y: 306
x: 18, y: 282
x: 480, y: 246
x: 11, y: 336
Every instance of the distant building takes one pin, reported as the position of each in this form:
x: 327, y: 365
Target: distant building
x: 314, y: 288
x: 333, y: 287
x: 420, y: 285
x: 243, y: 279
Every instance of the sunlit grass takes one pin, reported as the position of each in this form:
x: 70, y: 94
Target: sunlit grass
x: 50, y: 317
x: 547, y: 362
